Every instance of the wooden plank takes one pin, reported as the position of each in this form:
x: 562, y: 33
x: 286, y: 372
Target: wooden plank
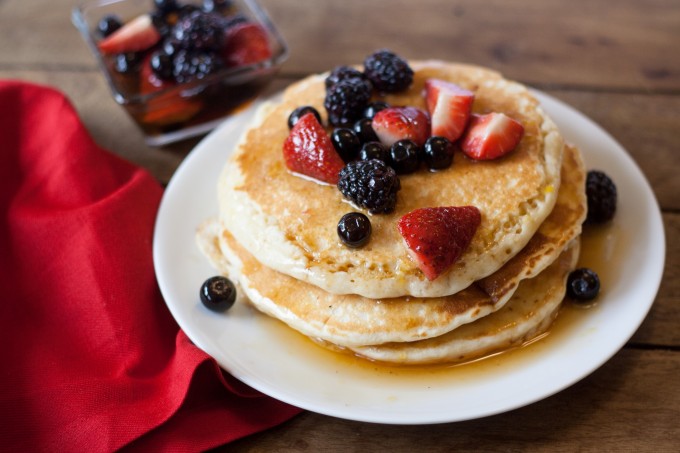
x: 632, y: 403
x: 585, y: 43
x: 590, y: 43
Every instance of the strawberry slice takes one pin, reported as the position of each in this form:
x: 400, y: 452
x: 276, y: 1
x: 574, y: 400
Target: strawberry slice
x: 245, y: 43
x: 437, y: 237
x: 166, y: 108
x: 398, y: 123
x: 138, y: 34
x: 491, y: 136
x: 450, y: 107
x: 308, y: 150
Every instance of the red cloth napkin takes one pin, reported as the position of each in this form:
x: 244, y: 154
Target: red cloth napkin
x: 90, y: 357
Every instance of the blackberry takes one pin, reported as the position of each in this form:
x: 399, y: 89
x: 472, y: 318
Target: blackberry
x: 601, y: 193
x: 370, y: 184
x: 166, y: 6
x: 218, y: 6
x: 200, y: 30
x: 388, y: 71
x: 218, y: 293
x: 340, y: 73
x: 235, y: 19
x: 126, y: 63
x: 354, y: 229
x: 301, y: 111
x: 583, y: 284
x: 195, y: 64
x: 345, y: 101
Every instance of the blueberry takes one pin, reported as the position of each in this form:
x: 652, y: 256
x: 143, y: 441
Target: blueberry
x: 583, y: 284
x: 125, y: 63
x: 300, y: 112
x: 374, y: 107
x: 346, y: 143
x: 404, y: 157
x: 166, y: 6
x: 218, y: 293
x: 374, y: 150
x: 364, y: 130
x: 354, y: 229
x: 161, y: 65
x: 217, y: 6
x: 108, y: 24
x: 438, y: 153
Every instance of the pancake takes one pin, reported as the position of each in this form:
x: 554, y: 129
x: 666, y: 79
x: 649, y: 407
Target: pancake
x: 288, y: 223
x: 529, y: 313
x: 353, y: 320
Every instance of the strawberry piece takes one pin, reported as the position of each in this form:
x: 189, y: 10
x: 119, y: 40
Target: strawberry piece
x: 450, y: 107
x: 138, y: 34
x: 245, y: 43
x: 437, y: 237
x: 491, y: 136
x: 308, y: 150
x: 398, y: 123
x: 166, y: 108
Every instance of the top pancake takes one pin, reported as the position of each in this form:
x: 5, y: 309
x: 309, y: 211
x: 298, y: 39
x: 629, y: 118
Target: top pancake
x: 288, y: 222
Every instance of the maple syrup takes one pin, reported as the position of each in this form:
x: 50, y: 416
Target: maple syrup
x: 600, y: 251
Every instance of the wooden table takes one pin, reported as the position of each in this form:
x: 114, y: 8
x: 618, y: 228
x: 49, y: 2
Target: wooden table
x: 617, y: 62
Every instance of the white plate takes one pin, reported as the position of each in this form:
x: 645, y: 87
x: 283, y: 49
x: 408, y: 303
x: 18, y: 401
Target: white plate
x: 274, y: 360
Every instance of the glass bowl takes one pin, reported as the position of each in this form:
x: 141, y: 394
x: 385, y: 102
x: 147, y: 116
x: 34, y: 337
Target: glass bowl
x: 174, y: 111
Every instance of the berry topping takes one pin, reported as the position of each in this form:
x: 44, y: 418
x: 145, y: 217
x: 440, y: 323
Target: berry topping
x: 346, y: 143
x: 345, y: 101
x: 397, y: 123
x: 601, y: 193
x: 126, y: 63
x: 438, y: 153
x: 138, y: 34
x: 340, y: 73
x: 364, y: 130
x: 404, y: 157
x: 354, y: 229
x: 308, y: 150
x: 166, y: 6
x: 491, y: 136
x: 437, y: 237
x: 218, y: 6
x: 374, y: 150
x: 583, y: 284
x: 162, y: 65
x: 200, y: 30
x: 301, y: 111
x: 192, y: 64
x: 388, y: 72
x: 218, y: 293
x: 108, y: 24
x: 373, y: 108
x: 449, y: 106
x: 370, y: 184
x: 245, y: 43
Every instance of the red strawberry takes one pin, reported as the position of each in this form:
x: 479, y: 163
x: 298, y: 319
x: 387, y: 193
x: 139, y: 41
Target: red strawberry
x: 308, y: 150
x: 166, y: 108
x: 449, y: 106
x: 490, y: 136
x: 436, y: 237
x: 138, y: 34
x: 397, y: 123
x: 245, y: 43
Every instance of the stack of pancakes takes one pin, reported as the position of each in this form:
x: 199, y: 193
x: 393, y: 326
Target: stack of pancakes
x: 276, y: 236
